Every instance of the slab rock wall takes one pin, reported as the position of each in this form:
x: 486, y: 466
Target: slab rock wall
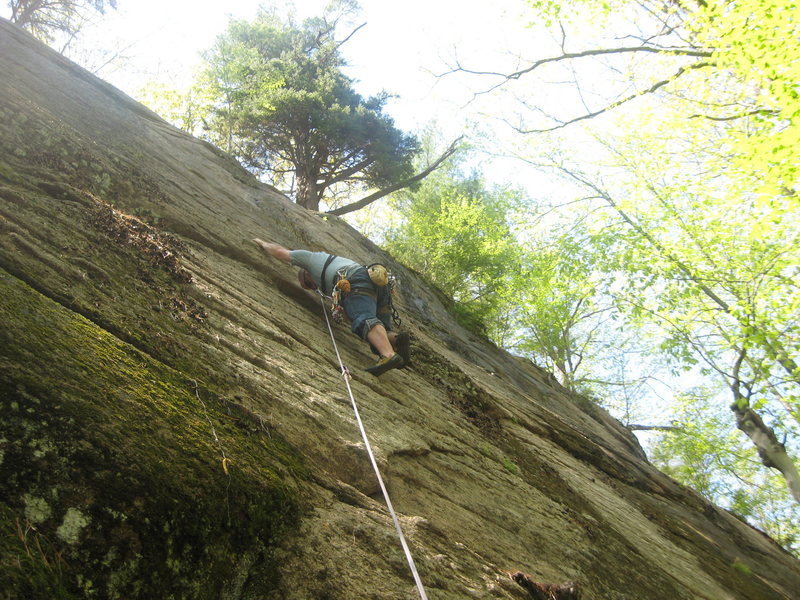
x: 174, y: 423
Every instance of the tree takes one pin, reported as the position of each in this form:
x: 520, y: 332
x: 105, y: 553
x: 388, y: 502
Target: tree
x: 523, y: 279
x: 457, y: 232
x: 567, y: 320
x: 187, y: 109
x: 689, y: 136
x: 286, y: 109
x: 721, y: 295
x: 566, y: 317
x: 46, y: 18
x: 561, y: 314
x: 700, y: 187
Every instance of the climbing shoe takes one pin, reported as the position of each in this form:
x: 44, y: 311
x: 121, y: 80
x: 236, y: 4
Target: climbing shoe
x: 403, y: 343
x: 395, y: 361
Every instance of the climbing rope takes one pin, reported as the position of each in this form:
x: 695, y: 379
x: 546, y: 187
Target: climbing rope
x: 346, y: 376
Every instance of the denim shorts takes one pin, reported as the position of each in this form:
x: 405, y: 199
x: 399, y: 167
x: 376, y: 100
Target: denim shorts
x: 366, y: 305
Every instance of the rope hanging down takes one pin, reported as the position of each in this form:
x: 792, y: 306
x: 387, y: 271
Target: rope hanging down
x: 346, y: 377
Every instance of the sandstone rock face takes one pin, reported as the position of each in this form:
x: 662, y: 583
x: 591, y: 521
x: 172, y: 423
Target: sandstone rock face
x: 175, y: 425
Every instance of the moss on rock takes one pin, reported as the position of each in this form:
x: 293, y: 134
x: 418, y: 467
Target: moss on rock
x: 145, y: 506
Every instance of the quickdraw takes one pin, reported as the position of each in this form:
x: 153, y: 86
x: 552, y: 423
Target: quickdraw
x: 342, y: 286
x: 337, y: 313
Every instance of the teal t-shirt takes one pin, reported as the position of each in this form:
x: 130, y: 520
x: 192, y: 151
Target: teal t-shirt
x: 313, y: 262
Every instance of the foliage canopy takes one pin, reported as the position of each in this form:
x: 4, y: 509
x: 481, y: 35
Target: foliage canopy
x: 457, y: 231
x: 696, y: 190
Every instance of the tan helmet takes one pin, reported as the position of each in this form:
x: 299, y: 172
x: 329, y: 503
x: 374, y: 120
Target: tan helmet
x: 378, y: 274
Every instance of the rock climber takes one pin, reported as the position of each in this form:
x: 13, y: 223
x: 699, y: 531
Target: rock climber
x: 366, y: 304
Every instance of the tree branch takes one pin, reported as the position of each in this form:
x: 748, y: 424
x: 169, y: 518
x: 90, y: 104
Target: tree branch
x: 573, y: 55
x: 350, y: 35
x: 347, y: 173
x: 751, y: 113
x: 652, y: 89
x: 398, y: 186
x: 634, y: 427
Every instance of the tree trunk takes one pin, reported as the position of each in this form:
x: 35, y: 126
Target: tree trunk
x: 308, y: 193
x: 773, y: 454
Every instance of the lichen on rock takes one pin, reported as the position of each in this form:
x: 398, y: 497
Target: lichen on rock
x: 37, y: 510
x: 70, y: 529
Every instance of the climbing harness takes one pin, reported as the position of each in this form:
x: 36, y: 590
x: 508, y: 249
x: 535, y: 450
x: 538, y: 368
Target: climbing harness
x: 346, y: 376
x: 378, y: 274
x: 342, y: 286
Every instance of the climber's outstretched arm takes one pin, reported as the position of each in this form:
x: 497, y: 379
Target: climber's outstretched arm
x: 275, y: 250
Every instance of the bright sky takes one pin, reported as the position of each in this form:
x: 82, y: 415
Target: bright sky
x: 399, y: 49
